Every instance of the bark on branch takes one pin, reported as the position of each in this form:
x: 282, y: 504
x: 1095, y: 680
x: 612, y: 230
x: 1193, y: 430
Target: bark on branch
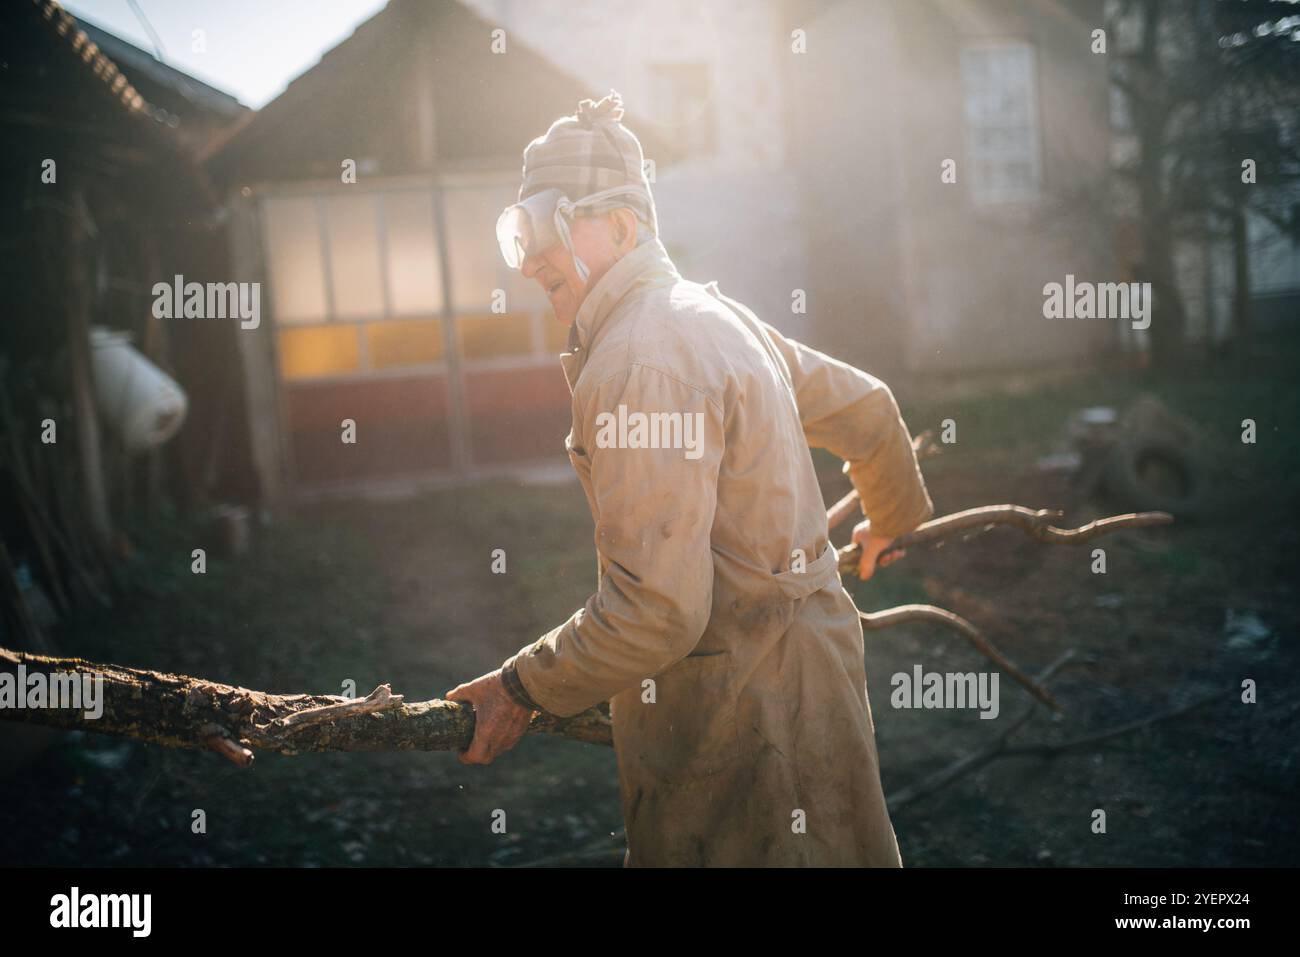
x: 1037, y: 524
x: 183, y: 712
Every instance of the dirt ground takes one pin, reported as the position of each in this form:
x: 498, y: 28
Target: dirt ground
x: 403, y: 591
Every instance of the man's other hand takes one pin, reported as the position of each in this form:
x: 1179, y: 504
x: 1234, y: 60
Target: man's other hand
x: 873, y: 547
x: 499, y: 721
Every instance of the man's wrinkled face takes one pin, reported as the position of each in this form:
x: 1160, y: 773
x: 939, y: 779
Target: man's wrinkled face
x: 599, y: 241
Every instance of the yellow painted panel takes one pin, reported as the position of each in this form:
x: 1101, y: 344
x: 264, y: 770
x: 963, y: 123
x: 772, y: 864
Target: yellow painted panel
x: 555, y: 334
x: 491, y: 336
x: 404, y: 342
x: 318, y: 351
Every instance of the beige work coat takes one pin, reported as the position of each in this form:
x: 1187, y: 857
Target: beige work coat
x: 720, y: 633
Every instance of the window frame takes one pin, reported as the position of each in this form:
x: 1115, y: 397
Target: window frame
x: 444, y: 311
x: 987, y: 194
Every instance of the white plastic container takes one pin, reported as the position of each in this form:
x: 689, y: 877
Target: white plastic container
x: 138, y: 401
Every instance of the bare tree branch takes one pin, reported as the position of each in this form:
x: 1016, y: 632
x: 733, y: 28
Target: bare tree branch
x: 875, y: 621
x: 1035, y: 524
x: 998, y: 748
x: 975, y: 759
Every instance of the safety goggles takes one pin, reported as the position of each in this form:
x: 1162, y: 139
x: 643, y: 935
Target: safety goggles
x: 527, y: 228
x: 542, y: 220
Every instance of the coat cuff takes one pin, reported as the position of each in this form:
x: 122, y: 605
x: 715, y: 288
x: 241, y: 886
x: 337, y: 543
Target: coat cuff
x: 544, y: 674
x: 515, y: 687
x: 893, y: 511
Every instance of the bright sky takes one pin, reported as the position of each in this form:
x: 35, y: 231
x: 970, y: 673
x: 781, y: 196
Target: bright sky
x: 253, y: 47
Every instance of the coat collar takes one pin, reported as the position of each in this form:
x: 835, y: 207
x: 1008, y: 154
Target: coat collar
x: 646, y: 263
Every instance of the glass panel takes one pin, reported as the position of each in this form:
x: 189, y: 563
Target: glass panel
x: 293, y: 253
x: 318, y: 351
x: 998, y: 83
x: 414, y: 279
x: 476, y: 265
x: 404, y: 342
x: 493, y: 336
x: 354, y: 256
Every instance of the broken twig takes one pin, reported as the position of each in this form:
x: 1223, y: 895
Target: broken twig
x: 381, y: 699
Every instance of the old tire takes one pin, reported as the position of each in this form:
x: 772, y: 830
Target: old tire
x: 1155, y: 473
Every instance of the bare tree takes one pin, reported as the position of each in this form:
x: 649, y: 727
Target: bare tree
x: 1207, y: 85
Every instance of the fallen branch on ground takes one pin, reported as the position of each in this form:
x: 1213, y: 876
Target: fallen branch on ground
x: 999, y: 748
x: 945, y: 776
x: 875, y: 621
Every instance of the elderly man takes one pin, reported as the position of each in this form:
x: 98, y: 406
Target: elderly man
x: 720, y: 633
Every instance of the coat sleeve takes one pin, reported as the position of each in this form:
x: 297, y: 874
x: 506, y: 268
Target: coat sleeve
x: 853, y: 415
x: 654, y: 511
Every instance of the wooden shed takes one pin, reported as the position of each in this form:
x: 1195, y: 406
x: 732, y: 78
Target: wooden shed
x: 388, y: 305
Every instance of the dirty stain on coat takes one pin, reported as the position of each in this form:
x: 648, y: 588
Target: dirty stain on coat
x: 720, y: 632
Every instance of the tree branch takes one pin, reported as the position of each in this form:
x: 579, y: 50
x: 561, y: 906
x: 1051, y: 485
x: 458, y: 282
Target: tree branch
x: 998, y: 747
x: 1035, y: 524
x: 875, y: 621
x: 975, y: 759
x: 183, y: 712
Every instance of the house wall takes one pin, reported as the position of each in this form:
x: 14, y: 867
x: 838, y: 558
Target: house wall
x: 941, y: 277
x: 730, y: 211
x: 844, y: 146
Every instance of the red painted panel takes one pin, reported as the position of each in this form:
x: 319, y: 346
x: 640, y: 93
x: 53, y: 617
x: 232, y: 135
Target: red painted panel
x: 517, y: 414
x: 402, y: 427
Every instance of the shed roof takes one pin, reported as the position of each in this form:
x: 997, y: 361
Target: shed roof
x: 65, y: 88
x: 143, y: 64
x: 362, y: 97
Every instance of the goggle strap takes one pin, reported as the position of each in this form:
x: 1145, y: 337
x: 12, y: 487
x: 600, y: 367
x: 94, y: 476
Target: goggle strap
x: 562, y: 209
